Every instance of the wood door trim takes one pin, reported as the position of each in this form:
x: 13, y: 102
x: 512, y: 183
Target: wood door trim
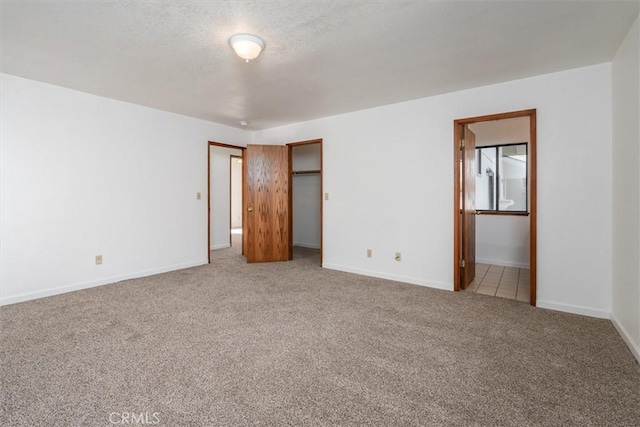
x: 244, y: 202
x: 295, y: 144
x: 290, y: 200
x: 457, y: 206
x: 224, y: 145
x: 498, y: 116
x: 209, y: 202
x: 209, y: 145
x: 532, y: 163
x: 533, y: 192
x: 307, y: 142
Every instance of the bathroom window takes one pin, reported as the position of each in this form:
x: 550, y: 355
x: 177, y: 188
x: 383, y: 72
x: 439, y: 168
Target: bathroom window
x: 501, y: 181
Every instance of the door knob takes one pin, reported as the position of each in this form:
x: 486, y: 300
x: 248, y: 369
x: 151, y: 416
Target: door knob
x: 250, y: 209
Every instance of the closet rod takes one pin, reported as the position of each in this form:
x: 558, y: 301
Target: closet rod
x: 306, y: 172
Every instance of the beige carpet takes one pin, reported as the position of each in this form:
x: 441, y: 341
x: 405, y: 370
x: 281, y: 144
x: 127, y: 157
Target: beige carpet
x: 231, y: 344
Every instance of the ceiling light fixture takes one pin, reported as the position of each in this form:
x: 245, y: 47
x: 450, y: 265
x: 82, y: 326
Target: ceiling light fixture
x: 247, y: 46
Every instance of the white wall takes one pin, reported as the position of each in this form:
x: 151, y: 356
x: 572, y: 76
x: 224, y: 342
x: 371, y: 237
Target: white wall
x: 220, y: 173
x: 306, y: 196
x: 497, y: 132
x: 84, y: 175
x: 389, y: 174
x: 501, y: 240
x: 626, y: 190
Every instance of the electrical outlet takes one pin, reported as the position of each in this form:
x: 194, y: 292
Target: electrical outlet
x: 98, y: 259
x: 398, y: 256
x: 369, y: 253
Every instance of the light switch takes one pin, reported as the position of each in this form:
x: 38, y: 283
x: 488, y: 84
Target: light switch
x: 198, y: 195
x: 326, y: 196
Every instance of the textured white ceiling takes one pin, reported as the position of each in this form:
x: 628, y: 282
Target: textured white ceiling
x: 321, y: 57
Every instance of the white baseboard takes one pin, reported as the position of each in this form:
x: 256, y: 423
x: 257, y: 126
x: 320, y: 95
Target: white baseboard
x: 575, y: 309
x: 626, y: 337
x: 397, y: 278
x: 306, y: 245
x: 92, y: 284
x: 220, y: 246
x: 502, y: 263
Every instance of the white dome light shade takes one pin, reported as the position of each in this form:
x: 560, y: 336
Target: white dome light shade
x: 247, y: 46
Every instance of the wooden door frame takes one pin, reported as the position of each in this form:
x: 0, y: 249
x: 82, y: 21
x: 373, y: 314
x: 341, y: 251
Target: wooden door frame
x: 533, y: 191
x: 222, y: 145
x: 290, y: 148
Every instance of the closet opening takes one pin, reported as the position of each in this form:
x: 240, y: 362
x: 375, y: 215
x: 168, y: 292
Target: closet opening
x: 305, y: 198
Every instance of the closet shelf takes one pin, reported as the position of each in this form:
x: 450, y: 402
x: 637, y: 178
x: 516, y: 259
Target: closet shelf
x: 311, y: 172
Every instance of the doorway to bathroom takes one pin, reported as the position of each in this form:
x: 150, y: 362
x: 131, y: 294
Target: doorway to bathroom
x: 495, y: 205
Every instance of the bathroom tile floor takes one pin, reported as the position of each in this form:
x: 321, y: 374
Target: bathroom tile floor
x: 499, y: 281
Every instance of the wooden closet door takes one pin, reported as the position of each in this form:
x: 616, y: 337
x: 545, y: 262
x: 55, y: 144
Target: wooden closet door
x: 267, y: 203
